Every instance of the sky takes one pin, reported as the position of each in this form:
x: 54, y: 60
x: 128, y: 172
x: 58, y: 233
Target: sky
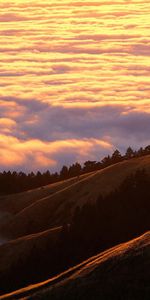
x: 74, y: 80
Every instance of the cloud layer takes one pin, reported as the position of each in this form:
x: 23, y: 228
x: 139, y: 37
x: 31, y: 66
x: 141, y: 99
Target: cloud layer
x: 74, y: 77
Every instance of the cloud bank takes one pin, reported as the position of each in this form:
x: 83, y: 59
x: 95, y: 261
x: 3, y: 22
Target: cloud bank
x: 74, y: 80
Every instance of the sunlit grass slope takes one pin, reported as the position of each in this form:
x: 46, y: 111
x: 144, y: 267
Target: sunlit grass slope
x: 121, y: 272
x: 13, y: 204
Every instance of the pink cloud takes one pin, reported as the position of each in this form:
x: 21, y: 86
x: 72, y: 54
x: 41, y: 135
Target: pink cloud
x: 72, y: 71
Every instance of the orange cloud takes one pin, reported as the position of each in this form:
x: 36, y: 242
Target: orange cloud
x: 69, y: 59
x: 5, y: 122
x: 34, y: 154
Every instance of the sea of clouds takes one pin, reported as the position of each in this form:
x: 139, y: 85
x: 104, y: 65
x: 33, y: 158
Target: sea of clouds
x: 74, y: 80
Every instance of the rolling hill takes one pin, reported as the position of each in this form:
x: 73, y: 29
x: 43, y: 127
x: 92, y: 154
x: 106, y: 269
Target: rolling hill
x: 34, y: 243
x: 61, y: 200
x: 16, y: 255
x: 13, y: 204
x: 121, y: 272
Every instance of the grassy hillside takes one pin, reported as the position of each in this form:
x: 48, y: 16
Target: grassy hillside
x: 20, y: 249
x: 43, y: 245
x: 11, y: 205
x: 19, y: 258
x: 121, y: 272
x: 54, y: 209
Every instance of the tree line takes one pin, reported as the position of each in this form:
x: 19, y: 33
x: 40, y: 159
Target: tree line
x: 16, y: 182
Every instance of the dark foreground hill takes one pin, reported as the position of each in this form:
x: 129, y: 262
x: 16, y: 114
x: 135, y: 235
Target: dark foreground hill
x: 120, y: 273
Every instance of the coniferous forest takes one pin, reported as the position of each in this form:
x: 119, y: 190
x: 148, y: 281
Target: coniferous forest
x: 16, y: 182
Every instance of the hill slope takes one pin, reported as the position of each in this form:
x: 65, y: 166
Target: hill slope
x: 20, y: 249
x: 10, y: 205
x: 13, y: 204
x: 121, y: 272
x: 54, y: 209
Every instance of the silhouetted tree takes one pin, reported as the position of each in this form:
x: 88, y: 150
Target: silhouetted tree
x: 129, y: 153
x: 106, y: 161
x: 89, y: 166
x: 74, y: 170
x: 147, y: 150
x: 64, y: 172
x: 140, y: 152
x: 116, y: 156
